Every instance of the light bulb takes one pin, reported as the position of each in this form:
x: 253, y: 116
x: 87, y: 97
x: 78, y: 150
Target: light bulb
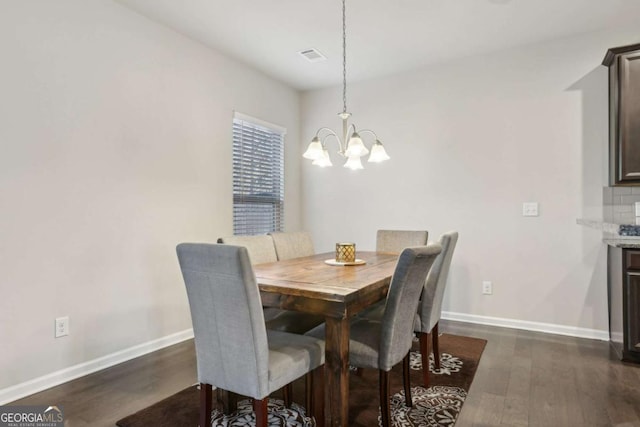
x: 323, y: 161
x: 354, y: 163
x: 314, y: 150
x: 378, y: 153
x: 356, y: 147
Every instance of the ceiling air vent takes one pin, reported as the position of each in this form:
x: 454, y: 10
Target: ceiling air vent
x: 312, y: 55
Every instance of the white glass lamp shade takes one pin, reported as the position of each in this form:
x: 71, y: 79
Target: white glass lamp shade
x: 314, y: 150
x: 356, y: 147
x: 323, y: 161
x: 378, y: 153
x: 354, y: 163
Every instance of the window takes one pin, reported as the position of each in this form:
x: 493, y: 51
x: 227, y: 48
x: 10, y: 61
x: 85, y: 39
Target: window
x: 258, y: 176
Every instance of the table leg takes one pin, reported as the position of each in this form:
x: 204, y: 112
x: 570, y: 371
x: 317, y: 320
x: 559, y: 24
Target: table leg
x: 337, y: 370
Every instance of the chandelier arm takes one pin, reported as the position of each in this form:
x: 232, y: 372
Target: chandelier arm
x: 347, y: 130
x: 330, y: 132
x: 369, y: 131
x: 325, y: 129
x: 333, y: 134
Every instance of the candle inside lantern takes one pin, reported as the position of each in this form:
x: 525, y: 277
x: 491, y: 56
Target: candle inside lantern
x: 345, y: 252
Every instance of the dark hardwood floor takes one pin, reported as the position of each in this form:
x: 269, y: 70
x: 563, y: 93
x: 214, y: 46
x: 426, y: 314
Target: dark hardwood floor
x: 534, y: 379
x: 102, y: 398
x: 524, y: 379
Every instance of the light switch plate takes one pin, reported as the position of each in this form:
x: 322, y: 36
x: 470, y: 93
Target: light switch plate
x: 530, y: 209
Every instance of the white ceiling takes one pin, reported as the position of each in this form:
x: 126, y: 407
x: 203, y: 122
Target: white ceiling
x: 383, y: 36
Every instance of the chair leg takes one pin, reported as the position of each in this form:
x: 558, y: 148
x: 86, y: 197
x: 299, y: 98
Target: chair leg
x: 315, y: 393
x: 205, y: 405
x: 436, y: 349
x: 228, y: 400
x: 406, y: 379
x: 287, y: 392
x: 385, y: 409
x: 260, y: 409
x: 223, y: 399
x: 424, y: 352
x: 220, y: 396
x: 232, y: 402
x: 308, y: 392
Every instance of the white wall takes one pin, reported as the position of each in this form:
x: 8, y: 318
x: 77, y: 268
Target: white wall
x: 116, y: 146
x: 469, y: 142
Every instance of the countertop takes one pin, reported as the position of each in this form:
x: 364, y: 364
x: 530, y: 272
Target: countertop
x: 611, y: 233
x: 632, y: 243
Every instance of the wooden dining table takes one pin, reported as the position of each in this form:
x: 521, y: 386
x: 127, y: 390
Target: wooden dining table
x: 309, y: 285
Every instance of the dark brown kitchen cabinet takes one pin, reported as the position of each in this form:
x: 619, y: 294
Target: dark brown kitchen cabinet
x: 624, y: 302
x: 624, y: 114
x: 633, y: 309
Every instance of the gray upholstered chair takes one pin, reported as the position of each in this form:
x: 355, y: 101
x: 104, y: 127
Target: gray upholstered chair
x: 396, y: 240
x: 430, y: 308
x: 383, y: 343
x: 293, y: 245
x: 234, y: 350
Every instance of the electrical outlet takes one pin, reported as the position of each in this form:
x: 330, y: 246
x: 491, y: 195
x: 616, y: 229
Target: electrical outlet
x: 62, y: 326
x: 487, y: 287
x: 530, y: 209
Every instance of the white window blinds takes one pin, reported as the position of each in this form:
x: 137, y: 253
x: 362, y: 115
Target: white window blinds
x: 258, y: 176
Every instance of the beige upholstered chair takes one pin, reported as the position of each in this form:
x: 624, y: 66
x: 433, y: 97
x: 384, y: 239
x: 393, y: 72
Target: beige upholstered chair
x: 261, y: 249
x: 396, y: 240
x: 234, y: 350
x: 288, y: 246
x: 430, y: 308
x: 293, y: 245
x: 383, y: 343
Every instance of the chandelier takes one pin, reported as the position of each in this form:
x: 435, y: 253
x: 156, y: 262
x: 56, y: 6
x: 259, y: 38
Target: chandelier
x: 351, y: 146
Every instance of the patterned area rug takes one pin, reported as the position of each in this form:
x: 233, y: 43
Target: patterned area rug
x: 438, y: 405
x: 279, y: 415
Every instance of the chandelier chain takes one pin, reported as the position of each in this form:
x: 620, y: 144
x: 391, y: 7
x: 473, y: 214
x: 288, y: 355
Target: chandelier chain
x: 350, y: 142
x: 344, y: 57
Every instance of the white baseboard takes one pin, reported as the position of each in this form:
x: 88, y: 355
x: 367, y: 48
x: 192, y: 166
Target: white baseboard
x: 548, y: 328
x: 617, y: 337
x: 53, y: 379
x: 35, y: 385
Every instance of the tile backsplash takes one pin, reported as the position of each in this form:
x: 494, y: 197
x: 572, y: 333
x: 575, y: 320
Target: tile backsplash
x: 619, y: 204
